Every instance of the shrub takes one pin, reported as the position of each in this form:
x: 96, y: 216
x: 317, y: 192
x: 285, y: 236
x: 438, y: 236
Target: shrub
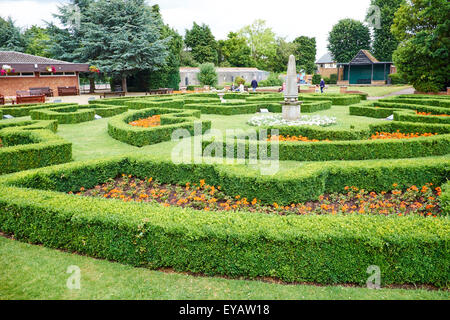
x: 397, y: 78
x: 272, y: 81
x: 316, y: 79
x: 24, y: 109
x: 207, y: 75
x: 233, y: 244
x: 333, y: 78
x: 64, y: 115
x: 239, y: 80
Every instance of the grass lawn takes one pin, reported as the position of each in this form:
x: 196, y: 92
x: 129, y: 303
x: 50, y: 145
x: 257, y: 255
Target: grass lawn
x: 34, y: 272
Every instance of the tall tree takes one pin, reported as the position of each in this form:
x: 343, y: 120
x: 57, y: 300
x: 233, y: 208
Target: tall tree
x: 305, y: 53
x: 202, y: 44
x: 168, y: 74
x: 346, y: 38
x: 278, y: 63
x: 37, y: 41
x: 122, y: 37
x: 234, y: 51
x: 11, y: 38
x: 262, y: 42
x: 423, y: 29
x: 384, y: 42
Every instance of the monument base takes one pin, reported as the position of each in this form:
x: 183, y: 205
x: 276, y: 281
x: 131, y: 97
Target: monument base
x: 292, y: 112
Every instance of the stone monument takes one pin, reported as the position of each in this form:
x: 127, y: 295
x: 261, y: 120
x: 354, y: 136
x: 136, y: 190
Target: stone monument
x: 291, y: 105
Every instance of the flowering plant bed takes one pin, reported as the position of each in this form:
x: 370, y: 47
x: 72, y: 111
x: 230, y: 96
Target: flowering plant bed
x: 153, y: 121
x: 423, y: 201
x: 277, y: 120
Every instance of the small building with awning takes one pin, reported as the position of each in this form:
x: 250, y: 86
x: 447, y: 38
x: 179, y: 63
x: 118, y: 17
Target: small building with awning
x: 364, y: 69
x: 26, y: 71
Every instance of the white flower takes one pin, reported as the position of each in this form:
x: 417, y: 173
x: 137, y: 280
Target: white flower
x: 277, y: 120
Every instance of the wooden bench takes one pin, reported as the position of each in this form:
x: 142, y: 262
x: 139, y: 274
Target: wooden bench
x: 2, y: 99
x: 159, y: 91
x: 68, y: 91
x: 43, y: 90
x: 113, y: 94
x: 30, y: 99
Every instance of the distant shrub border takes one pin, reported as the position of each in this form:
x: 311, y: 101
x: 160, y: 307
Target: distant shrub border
x: 23, y: 110
x: 64, y: 115
x: 234, y: 244
x: 32, y: 144
x: 171, y: 120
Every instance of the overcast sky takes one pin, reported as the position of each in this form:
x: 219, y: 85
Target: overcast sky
x: 288, y: 18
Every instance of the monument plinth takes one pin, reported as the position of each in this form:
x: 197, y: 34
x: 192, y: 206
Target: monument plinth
x: 291, y: 105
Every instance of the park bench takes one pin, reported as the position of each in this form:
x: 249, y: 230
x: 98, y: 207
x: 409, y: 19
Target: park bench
x: 113, y: 94
x: 42, y: 90
x: 29, y: 99
x: 68, y: 91
x: 159, y: 91
x: 2, y: 99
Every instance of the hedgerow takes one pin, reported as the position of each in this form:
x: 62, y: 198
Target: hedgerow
x: 234, y: 244
x: 64, y: 115
x: 412, y: 117
x: 23, y: 110
x: 336, y: 99
x: 31, y: 144
x: 104, y: 110
x: 171, y: 120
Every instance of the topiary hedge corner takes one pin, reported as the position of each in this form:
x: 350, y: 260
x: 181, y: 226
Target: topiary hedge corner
x: 32, y: 144
x: 320, y: 249
x: 171, y: 120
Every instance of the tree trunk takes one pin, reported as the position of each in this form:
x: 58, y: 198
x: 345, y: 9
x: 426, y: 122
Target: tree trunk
x: 124, y: 84
x: 91, y: 85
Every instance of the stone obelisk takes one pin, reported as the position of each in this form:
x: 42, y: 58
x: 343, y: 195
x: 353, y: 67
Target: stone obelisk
x: 291, y: 105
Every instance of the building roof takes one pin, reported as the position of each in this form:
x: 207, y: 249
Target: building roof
x: 326, y: 58
x: 364, y: 57
x: 370, y: 56
x: 23, y: 62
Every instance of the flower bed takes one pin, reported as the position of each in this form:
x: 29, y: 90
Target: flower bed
x: 399, y: 135
x: 153, y: 121
x: 277, y: 120
x: 423, y: 201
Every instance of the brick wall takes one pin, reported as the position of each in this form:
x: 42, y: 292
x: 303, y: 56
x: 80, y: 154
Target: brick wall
x: 9, y: 86
x: 327, y: 72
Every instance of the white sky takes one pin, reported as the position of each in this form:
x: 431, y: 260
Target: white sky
x: 288, y: 18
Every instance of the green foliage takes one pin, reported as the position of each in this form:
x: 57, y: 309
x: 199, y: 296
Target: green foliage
x: 422, y: 27
x: 31, y: 144
x: 316, y: 79
x: 152, y: 236
x: 24, y: 109
x: 37, y: 39
x: 202, y: 44
x: 171, y: 120
x: 207, y: 75
x: 262, y: 43
x: 239, y: 80
x: 278, y: 62
x: 305, y: 52
x: 234, y: 51
x: 333, y: 78
x: 64, y: 115
x: 397, y: 78
x: 384, y: 42
x: 11, y: 38
x: 347, y: 38
x: 272, y: 81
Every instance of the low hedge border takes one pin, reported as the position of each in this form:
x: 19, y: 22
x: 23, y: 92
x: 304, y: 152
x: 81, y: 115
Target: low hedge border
x: 427, y: 102
x: 104, y: 110
x: 145, y: 104
x: 413, y: 117
x: 337, y: 100
x: 23, y: 110
x: 385, y: 109
x: 320, y: 249
x: 171, y: 120
x: 64, y: 115
x: 32, y: 144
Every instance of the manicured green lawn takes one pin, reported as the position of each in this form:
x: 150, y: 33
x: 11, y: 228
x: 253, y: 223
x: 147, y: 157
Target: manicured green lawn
x: 34, y: 272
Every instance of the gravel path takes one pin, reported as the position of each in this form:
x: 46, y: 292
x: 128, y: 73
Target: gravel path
x: 398, y: 93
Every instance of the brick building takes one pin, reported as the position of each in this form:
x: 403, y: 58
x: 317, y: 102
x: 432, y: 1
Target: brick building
x: 225, y: 75
x: 31, y: 72
x: 326, y: 66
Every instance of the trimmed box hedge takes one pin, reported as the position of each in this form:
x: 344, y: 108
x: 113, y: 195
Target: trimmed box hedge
x: 23, y: 110
x: 321, y: 249
x: 171, y: 120
x: 32, y: 144
x: 104, y: 110
x: 64, y: 115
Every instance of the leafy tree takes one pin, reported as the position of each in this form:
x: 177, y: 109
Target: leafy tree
x: 122, y: 38
x: 234, y: 51
x: 187, y: 59
x: 262, y: 43
x: 346, y: 38
x: 278, y: 63
x: 11, y: 38
x: 384, y: 43
x: 37, y: 41
x: 423, y: 29
x: 305, y: 53
x: 168, y: 76
x: 202, y: 44
x: 207, y: 75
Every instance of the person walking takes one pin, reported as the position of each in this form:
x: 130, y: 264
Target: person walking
x: 254, y: 84
x: 322, y: 85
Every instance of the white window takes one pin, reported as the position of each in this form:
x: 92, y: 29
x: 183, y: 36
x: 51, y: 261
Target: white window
x: 18, y: 75
x: 57, y: 74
